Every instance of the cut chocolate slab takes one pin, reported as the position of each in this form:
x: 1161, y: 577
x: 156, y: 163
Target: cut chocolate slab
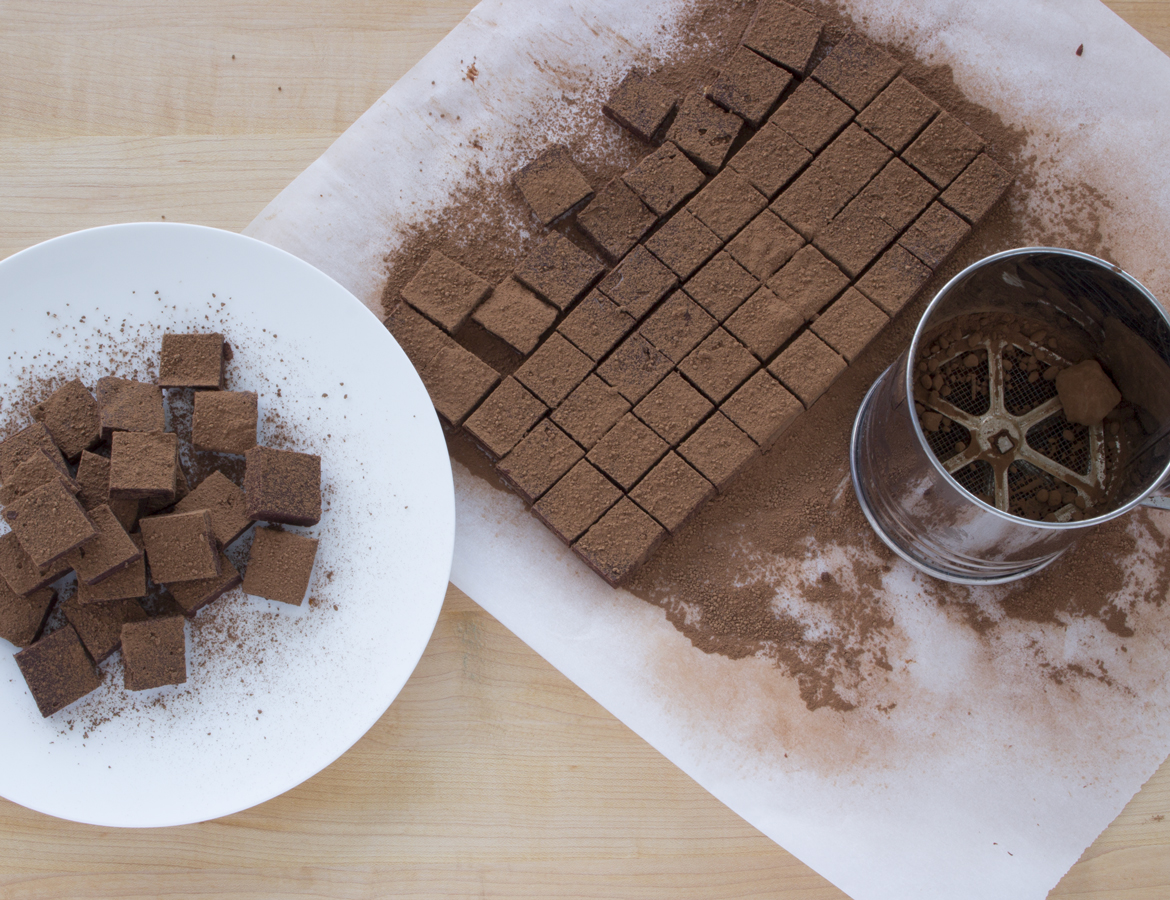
x: 615, y: 220
x: 934, y: 235
x: 552, y: 186
x: 894, y: 279
x: 672, y: 492
x: 224, y: 502
x: 808, y: 282
x: 516, y: 315
x: 108, y: 552
x: 673, y: 408
x: 596, y: 324
x: 457, y: 380
x: 770, y: 160
x: 854, y: 239
x: 22, y: 618
x: 444, y: 291
x: 896, y: 195
x: 37, y: 469
x: 281, y: 486
x: 850, y: 324
x: 280, y: 566
x: 143, y: 466
x: 627, y: 451
x: 664, y: 179
x: 191, y: 361
x: 683, y: 243
x: 419, y: 338
x: 154, y: 653
x: 943, y: 150
x: 634, y: 367
x: 784, y: 34
x: 718, y: 365
x: 27, y: 442
x: 128, y: 583
x: 727, y: 203
x: 749, y: 86
x: 812, y: 116
x: 49, y: 522
x: 641, y: 105
x: 807, y: 367
x: 225, y: 421
x: 57, y: 670
x: 765, y: 245
x: 20, y: 573
x: 539, y: 461
x: 576, y: 501
x: 71, y: 415
x: 977, y: 189
x: 762, y: 409
x: 180, y: 547
x: 99, y: 625
x: 721, y: 285
x: 127, y: 405
x: 898, y: 114
x: 590, y: 411
x: 677, y: 326
x: 192, y: 596
x: 620, y: 542
x: 856, y: 70
x: 718, y: 450
x: 502, y: 419
x: 704, y: 132
x: 559, y: 271
x: 554, y: 370
x: 638, y: 283
x: 764, y: 322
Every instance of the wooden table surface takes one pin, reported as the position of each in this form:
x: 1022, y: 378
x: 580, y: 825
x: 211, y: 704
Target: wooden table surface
x: 491, y: 775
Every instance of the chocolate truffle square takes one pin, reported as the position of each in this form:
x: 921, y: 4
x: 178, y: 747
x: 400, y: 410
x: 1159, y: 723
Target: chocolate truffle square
x: 37, y: 469
x: 180, y: 547
x: 677, y: 326
x: 191, y: 361
x: 93, y: 480
x: 71, y: 415
x: 26, y: 443
x: 672, y: 492
x: 280, y: 566
x: 894, y: 279
x: 590, y: 411
x: 154, y: 653
x: 444, y: 291
x: 48, y: 523
x: 627, y: 451
x: 99, y: 625
x: 621, y: 541
x: 807, y: 367
x: 856, y: 70
x: 22, y: 618
x: 539, y: 461
x: 718, y: 365
x: 225, y: 421
x: 559, y: 271
x: 784, y: 34
x: 850, y: 324
x: 854, y: 239
x: 143, y: 466
x: 664, y: 179
x: 764, y: 322
x: 770, y: 160
x: 20, y: 573
x: 749, y: 86
x: 596, y: 324
x: 898, y: 114
x: 281, y: 486
x: 516, y: 315
x: 683, y: 243
x: 727, y: 203
x: 57, y: 670
x: 615, y: 220
x: 812, y: 116
x: 634, y: 367
x: 943, y: 150
x: 721, y: 285
x: 126, y: 405
x: 552, y: 186
x: 762, y: 409
x: 224, y: 502
x: 934, y: 235
x: 419, y: 338
x: 128, y: 583
x: 638, y: 283
x: 765, y: 245
x: 896, y: 195
x: 108, y: 552
x: 576, y: 501
x: 718, y: 450
x: 808, y: 282
x: 192, y: 596
x: 977, y: 189
x: 704, y: 132
x: 502, y: 419
x: 554, y: 370
x: 457, y: 380
x: 673, y: 408
x: 641, y: 105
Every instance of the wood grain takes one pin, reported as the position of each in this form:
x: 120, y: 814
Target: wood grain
x: 491, y: 775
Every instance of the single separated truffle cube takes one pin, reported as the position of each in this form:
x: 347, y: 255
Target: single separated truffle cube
x: 704, y: 132
x: 154, y: 653
x: 225, y: 421
x: 280, y: 566
x: 37, y: 469
x: 640, y: 104
x: 127, y: 405
x: 180, y: 547
x: 71, y: 415
x: 22, y: 618
x: 143, y: 466
x: 57, y: 670
x: 672, y: 492
x: 128, y: 583
x: 191, y: 361
x: 49, y: 522
x: 444, y: 291
x: 538, y: 461
x: 856, y: 70
x: 664, y: 179
x: 224, y: 502
x: 516, y: 315
x: 552, y: 186
x: 282, y: 486
x: 501, y: 421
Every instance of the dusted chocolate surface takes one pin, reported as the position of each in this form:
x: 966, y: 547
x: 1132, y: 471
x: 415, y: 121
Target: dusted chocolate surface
x: 718, y: 365
x: 673, y: 408
x: 764, y: 322
x: 596, y: 324
x: 110, y: 550
x: 621, y: 541
x: 515, y: 315
x: 638, y: 283
x: 559, y: 271
x: 281, y: 566
x: 224, y: 502
x: 704, y: 132
x: 856, y: 70
x: 718, y: 450
x: 58, y: 670
x: 894, y: 279
x: 784, y: 34
x: 225, y: 421
x: 664, y: 179
x: 38, y: 468
x: 127, y: 405
x: 896, y: 195
x: 99, y: 625
x: 20, y: 573
x: 640, y: 104
x: 128, y: 583
x: 808, y: 282
x: 683, y: 244
x: 854, y: 239
x: 807, y: 367
x: 457, y: 380
x: 554, y: 370
x: 180, y: 547
x: 615, y: 220
x: 143, y: 466
x: 677, y: 326
x: 445, y: 291
x: 977, y: 189
x: 812, y: 116
x: 749, y: 86
x: 634, y: 367
x: 552, y: 185
x: 943, y: 149
x: 770, y: 159
x: 672, y: 492
x: 48, y: 523
x: 727, y: 203
x: 282, y: 486
x: 154, y: 653
x: 590, y: 411
x: 502, y: 419
x: 19, y: 447
x: 898, y: 114
x: 934, y: 235
x: 762, y: 409
x: 764, y: 245
x: 192, y: 596
x: 850, y: 324
x: 627, y: 451
x: 721, y: 285
x: 72, y: 418
x: 576, y: 501
x: 191, y: 361
x: 22, y: 618
x: 538, y: 461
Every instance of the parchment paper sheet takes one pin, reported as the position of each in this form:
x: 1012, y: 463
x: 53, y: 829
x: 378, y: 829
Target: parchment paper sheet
x: 987, y: 779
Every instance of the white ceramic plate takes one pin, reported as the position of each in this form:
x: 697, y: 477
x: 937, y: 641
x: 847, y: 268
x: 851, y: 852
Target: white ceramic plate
x: 274, y: 693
